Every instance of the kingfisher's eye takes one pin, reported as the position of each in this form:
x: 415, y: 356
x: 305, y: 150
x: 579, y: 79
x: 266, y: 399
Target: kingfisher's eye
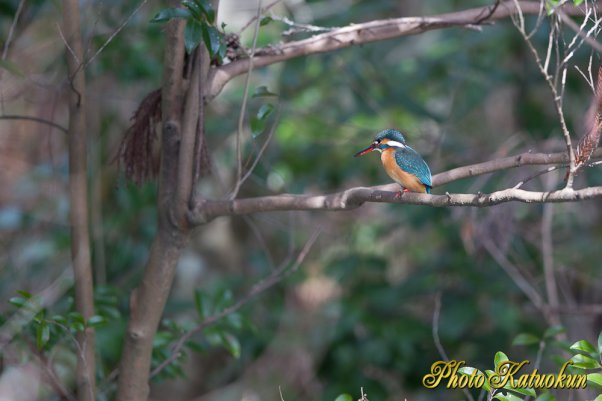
x: 376, y: 142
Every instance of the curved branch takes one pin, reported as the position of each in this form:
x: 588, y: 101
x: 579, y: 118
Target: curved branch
x: 35, y: 119
x: 371, y: 32
x: 206, y: 210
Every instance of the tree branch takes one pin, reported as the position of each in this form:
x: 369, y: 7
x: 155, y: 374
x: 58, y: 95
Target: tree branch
x: 371, y: 32
x: 148, y: 300
x: 206, y: 210
x: 78, y: 201
x: 35, y: 119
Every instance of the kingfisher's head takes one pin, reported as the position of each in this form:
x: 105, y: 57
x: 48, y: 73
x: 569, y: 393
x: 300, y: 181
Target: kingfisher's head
x: 385, y: 139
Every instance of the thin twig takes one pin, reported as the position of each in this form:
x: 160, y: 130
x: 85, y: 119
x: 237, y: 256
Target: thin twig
x: 243, y: 108
x: 547, y: 251
x: 538, y: 174
x: 48, y: 369
x: 552, y: 83
x: 275, y: 277
x: 66, y: 43
x: 586, y: 36
x: 11, y: 30
x: 515, y: 274
x: 297, y: 28
x: 261, y: 150
x: 34, y: 119
x: 115, y: 33
x: 437, y: 340
x: 256, y: 17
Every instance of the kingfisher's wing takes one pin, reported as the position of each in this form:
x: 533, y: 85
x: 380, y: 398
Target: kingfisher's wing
x: 409, y: 160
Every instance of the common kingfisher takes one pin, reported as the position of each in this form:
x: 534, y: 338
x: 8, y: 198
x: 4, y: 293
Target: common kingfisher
x: 401, y: 162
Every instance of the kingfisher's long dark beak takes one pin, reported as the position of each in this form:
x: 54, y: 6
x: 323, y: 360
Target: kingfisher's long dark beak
x: 367, y: 150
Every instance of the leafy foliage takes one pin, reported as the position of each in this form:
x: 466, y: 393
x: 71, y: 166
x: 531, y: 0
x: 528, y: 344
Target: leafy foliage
x: 200, y: 26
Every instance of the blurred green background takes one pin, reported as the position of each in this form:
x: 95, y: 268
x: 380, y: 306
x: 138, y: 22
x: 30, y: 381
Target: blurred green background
x: 359, y: 312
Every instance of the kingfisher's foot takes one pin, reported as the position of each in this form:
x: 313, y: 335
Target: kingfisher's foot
x: 405, y: 190
x: 398, y: 194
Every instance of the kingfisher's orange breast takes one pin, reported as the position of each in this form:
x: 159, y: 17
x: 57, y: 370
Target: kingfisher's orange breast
x: 406, y: 180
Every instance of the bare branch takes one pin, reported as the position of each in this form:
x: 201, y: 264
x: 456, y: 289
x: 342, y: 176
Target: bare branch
x: 547, y: 252
x: 78, y: 201
x: 188, y: 136
x: 115, y: 33
x: 585, y: 35
x: 206, y: 210
x: 34, y: 119
x: 516, y: 275
x: 11, y: 30
x: 243, y: 109
x: 437, y: 340
x: 552, y: 82
x: 371, y: 32
x: 284, y: 270
x: 255, y: 17
x: 261, y: 150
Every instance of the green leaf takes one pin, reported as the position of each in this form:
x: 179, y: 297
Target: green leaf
x: 194, y: 9
x: 42, y: 334
x: 583, y: 346
x: 507, y: 397
x: 264, y: 111
x: 499, y: 358
x: 265, y: 20
x: 76, y: 321
x: 553, y: 332
x: 201, y: 8
x: 577, y: 2
x: 212, y: 39
x: 24, y: 294
x: 258, y: 122
x: 600, y: 343
x: 585, y: 362
x: 344, y: 397
x: 522, y: 390
x: 467, y: 370
x: 525, y: 339
x: 232, y: 344
x: 17, y: 301
x: 257, y: 126
x: 547, y: 396
x: 40, y: 316
x: 59, y: 319
x: 200, y: 304
x: 168, y: 13
x: 76, y: 317
x: 234, y: 320
x: 96, y: 321
x: 162, y: 339
x: 263, y: 91
x: 223, y: 299
x: 192, y: 35
x: 195, y: 346
x: 595, y: 379
x: 598, y: 398
x: 15, y: 70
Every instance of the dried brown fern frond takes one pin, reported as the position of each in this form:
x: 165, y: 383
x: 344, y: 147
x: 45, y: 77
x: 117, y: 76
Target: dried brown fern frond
x: 136, y: 151
x: 590, y: 141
